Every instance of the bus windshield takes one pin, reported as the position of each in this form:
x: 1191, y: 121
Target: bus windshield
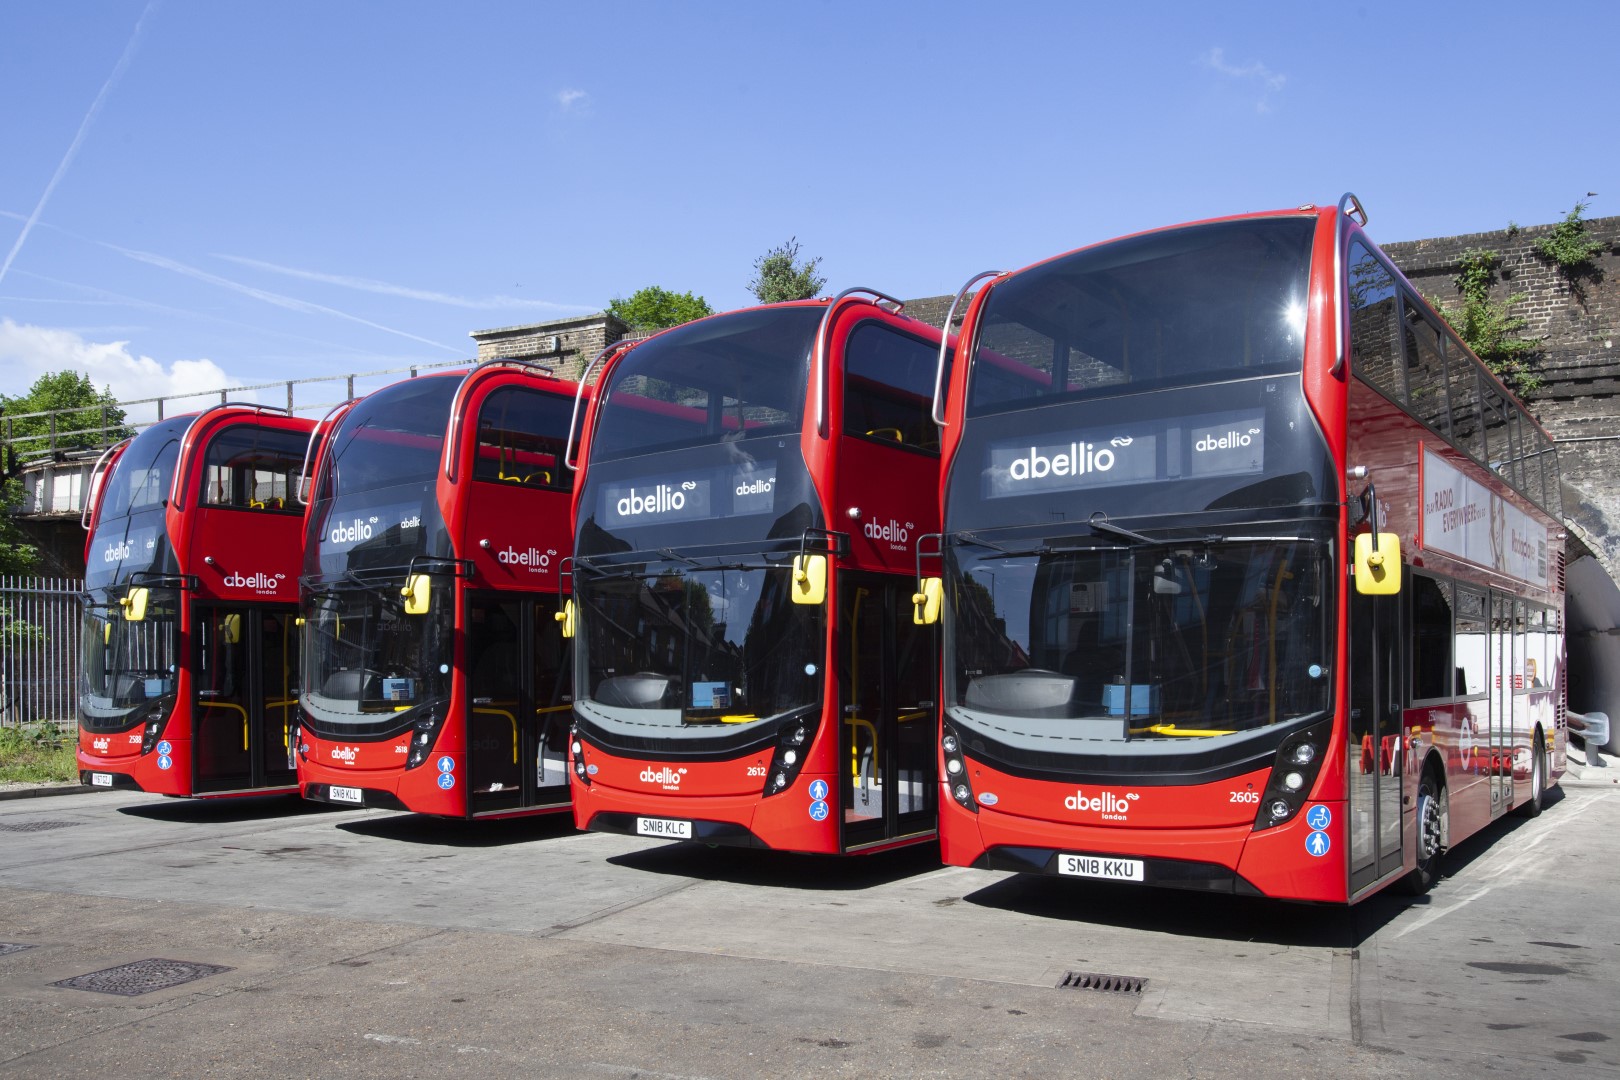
x: 375, y: 507
x: 1106, y: 642
x: 127, y: 668
x: 684, y: 651
x: 1190, y: 305
x: 371, y: 667
x: 735, y: 376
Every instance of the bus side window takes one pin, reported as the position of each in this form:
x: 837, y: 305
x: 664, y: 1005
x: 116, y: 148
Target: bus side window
x: 889, y: 387
x: 520, y: 438
x: 1373, y: 345
x: 1434, y: 671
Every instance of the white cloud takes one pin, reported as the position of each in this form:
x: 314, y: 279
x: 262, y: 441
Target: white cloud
x: 1269, y: 82
x: 573, y: 100
x: 384, y: 288
x: 27, y: 352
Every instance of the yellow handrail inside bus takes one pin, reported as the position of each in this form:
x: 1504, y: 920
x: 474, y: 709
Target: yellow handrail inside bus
x: 509, y: 719
x: 854, y: 748
x: 1172, y: 729
x: 541, y: 710
x: 1276, y: 595
x: 739, y: 718
x: 238, y: 708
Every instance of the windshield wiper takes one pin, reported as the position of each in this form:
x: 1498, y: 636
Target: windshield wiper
x: 1099, y: 523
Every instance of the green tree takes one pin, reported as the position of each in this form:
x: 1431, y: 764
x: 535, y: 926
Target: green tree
x: 82, y: 416
x: 17, y: 555
x: 654, y: 308
x: 779, y: 276
x: 1489, y: 327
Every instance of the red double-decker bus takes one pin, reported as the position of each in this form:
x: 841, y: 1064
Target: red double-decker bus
x: 436, y: 677
x: 752, y: 492
x: 1250, y: 578
x: 189, y: 665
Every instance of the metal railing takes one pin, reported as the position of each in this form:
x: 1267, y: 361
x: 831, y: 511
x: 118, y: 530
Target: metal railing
x: 72, y: 431
x: 39, y: 650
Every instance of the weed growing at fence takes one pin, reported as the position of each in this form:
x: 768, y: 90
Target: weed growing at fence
x: 37, y: 754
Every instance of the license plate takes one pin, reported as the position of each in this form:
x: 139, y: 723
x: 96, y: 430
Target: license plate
x: 344, y: 794
x: 654, y: 826
x: 1100, y: 867
x: 101, y: 779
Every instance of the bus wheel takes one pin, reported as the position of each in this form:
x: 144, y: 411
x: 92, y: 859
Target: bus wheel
x: 1430, y: 834
x: 1538, y: 779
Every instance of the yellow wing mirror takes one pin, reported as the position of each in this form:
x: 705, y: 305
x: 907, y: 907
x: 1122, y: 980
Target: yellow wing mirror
x: 231, y: 627
x: 926, y: 601
x: 1378, y: 564
x: 134, y: 603
x: 809, y: 579
x: 418, y: 593
x: 566, y: 617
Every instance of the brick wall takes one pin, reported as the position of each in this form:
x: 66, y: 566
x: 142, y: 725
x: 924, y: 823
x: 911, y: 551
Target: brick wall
x: 563, y: 345
x: 1579, y: 322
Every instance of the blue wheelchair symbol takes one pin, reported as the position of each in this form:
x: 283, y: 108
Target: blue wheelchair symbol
x: 164, y: 747
x: 447, y: 764
x: 1317, y: 844
x: 818, y: 790
x: 818, y: 810
x: 1319, y: 817
x: 447, y: 781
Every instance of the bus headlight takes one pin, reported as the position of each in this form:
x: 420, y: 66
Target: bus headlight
x: 788, y: 758
x: 576, y: 752
x: 1293, y: 774
x: 950, y: 746
x: 153, y: 724
x: 423, y: 735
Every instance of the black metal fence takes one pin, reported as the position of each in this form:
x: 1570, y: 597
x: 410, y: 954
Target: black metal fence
x: 39, y: 650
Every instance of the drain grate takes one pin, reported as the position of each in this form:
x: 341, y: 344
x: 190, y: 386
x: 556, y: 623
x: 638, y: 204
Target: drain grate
x: 43, y: 825
x: 1092, y: 980
x: 7, y: 947
x: 141, y: 977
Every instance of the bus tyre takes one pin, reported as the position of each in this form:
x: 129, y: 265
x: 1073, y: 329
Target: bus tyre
x: 1538, y: 778
x: 1430, y: 835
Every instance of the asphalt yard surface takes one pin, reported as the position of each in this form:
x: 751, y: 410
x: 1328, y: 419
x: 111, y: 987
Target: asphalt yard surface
x: 331, y: 943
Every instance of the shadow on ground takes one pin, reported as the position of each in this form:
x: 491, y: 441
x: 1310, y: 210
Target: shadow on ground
x: 782, y: 869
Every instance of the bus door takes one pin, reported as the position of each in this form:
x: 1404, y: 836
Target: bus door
x: 887, y: 713
x: 518, y: 710
x: 1498, y: 758
x: 243, y: 691
x: 1375, y: 771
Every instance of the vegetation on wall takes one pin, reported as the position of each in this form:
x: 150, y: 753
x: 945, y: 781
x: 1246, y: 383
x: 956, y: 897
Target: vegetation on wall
x: 779, y: 276
x: 1489, y: 327
x: 1569, y: 247
x: 655, y: 308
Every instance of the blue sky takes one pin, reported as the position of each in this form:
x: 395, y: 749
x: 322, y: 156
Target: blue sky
x: 196, y: 194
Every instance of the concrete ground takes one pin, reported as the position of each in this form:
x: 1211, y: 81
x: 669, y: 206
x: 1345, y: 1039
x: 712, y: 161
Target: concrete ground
x: 365, y: 943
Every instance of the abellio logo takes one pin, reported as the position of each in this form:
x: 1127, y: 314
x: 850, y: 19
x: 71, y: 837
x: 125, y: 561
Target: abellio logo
x: 666, y: 776
x: 533, y: 557
x: 345, y: 754
x: 757, y: 487
x: 254, y: 581
x: 116, y: 552
x: 1107, y: 805
x: 352, y: 533
x: 1227, y: 440
x: 661, y: 500
x: 1080, y: 459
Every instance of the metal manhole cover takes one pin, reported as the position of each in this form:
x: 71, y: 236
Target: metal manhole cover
x: 1092, y: 980
x: 141, y: 977
x: 12, y: 946
x: 43, y: 825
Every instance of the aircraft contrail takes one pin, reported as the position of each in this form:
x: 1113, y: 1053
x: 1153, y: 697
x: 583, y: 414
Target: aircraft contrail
x: 84, y: 128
